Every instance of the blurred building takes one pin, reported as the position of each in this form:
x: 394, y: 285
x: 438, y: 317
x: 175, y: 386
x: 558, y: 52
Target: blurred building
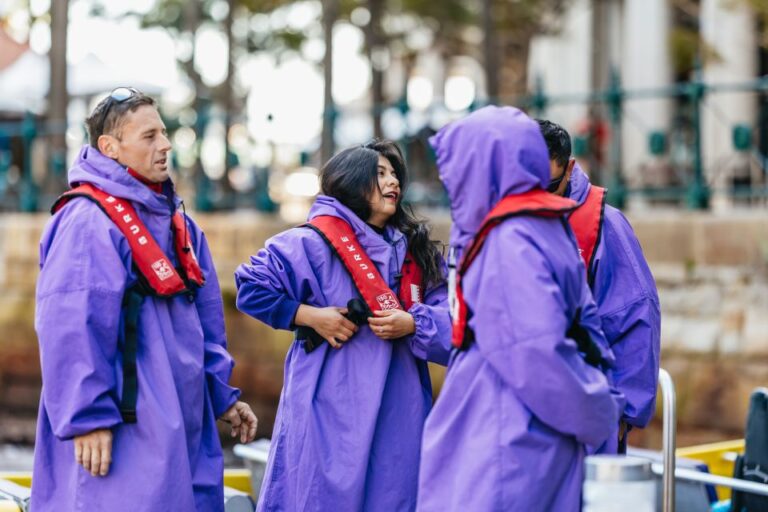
x: 654, y: 45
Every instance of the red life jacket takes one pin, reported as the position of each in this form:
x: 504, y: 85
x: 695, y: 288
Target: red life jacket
x: 369, y: 283
x: 534, y: 202
x: 154, y: 266
x: 587, y: 224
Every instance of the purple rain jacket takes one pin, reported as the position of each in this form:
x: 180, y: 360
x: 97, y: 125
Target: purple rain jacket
x: 510, y: 427
x: 348, y: 429
x: 171, y: 459
x: 628, y: 303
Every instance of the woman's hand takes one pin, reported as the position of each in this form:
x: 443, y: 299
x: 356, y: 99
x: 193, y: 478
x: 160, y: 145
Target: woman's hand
x: 329, y: 323
x: 392, y: 324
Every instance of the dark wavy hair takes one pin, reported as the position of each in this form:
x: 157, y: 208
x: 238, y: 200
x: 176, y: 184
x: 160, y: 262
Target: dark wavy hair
x: 351, y: 176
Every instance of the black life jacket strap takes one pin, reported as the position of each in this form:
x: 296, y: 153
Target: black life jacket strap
x: 586, y: 345
x: 132, y: 301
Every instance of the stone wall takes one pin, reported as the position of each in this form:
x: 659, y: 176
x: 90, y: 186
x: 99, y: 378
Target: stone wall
x: 19, y: 362
x: 712, y: 274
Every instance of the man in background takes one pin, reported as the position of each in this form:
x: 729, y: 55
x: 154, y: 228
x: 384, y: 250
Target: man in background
x: 620, y: 280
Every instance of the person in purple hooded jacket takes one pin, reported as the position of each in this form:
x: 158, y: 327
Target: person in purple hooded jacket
x: 90, y: 453
x: 348, y: 429
x: 520, y: 402
x: 622, y: 286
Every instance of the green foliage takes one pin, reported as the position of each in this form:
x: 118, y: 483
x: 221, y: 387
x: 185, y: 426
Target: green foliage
x: 276, y: 42
x: 446, y: 12
x: 170, y: 13
x: 690, y: 268
x: 455, y: 25
x: 684, y: 46
x: 166, y: 14
x: 262, y: 6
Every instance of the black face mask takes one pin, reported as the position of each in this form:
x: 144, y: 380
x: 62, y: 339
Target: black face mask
x: 555, y: 184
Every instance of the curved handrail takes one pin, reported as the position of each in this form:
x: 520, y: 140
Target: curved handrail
x: 669, y: 441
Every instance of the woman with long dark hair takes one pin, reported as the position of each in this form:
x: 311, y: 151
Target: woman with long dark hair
x: 357, y: 390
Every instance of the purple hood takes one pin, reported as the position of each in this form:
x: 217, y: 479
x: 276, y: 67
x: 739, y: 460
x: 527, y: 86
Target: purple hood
x: 91, y: 166
x: 490, y: 154
x: 578, y: 185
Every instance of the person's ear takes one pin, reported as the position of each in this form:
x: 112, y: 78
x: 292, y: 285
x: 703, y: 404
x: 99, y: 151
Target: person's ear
x: 569, y: 168
x: 108, y: 146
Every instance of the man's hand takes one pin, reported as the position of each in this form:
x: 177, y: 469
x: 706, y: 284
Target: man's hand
x: 243, y: 421
x: 392, y: 324
x: 93, y: 451
x: 330, y: 323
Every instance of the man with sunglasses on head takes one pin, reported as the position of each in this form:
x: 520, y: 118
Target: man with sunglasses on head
x: 131, y: 330
x: 620, y: 280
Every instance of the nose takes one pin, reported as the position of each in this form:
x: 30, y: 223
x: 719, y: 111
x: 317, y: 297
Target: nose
x: 393, y: 181
x: 165, y: 143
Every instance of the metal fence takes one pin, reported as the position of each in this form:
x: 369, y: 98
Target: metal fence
x: 31, y: 176
x: 693, y: 188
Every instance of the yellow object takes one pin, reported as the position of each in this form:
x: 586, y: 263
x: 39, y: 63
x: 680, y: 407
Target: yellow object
x: 23, y: 478
x: 18, y: 477
x: 239, y: 479
x: 719, y: 457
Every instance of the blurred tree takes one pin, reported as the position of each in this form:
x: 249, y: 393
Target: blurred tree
x: 389, y: 33
x: 508, y: 26
x: 183, y: 19
x: 686, y: 43
x: 330, y: 15
x: 490, y: 51
x: 376, y: 47
x: 57, y: 94
x: 517, y: 22
x: 228, y: 99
